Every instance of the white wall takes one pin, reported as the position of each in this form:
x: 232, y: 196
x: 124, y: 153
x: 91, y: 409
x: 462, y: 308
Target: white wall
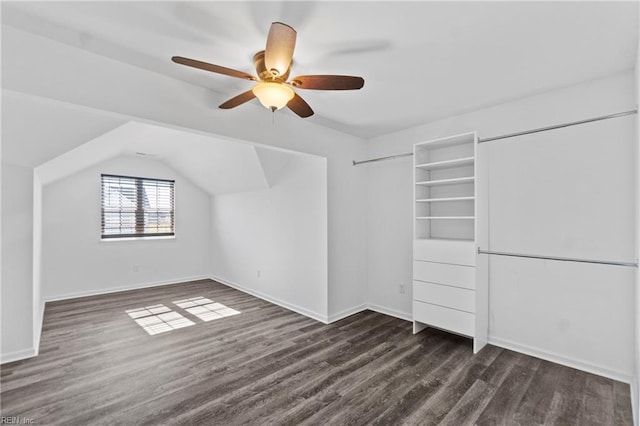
x: 71, y: 77
x: 635, y: 390
x: 76, y: 262
x: 390, y: 230
x: 280, y: 232
x: 567, y: 193
x: 17, y: 246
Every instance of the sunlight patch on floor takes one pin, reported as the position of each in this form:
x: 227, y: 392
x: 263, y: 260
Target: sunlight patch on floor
x: 206, y: 309
x: 158, y: 319
x: 194, y: 301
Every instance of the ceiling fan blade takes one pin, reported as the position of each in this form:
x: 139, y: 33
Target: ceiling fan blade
x: 281, y: 42
x: 300, y: 106
x: 328, y: 82
x: 211, y: 67
x: 238, y: 100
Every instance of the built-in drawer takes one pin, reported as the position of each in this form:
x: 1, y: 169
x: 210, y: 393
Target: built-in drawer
x: 444, y: 318
x: 444, y: 295
x: 445, y: 251
x: 444, y: 273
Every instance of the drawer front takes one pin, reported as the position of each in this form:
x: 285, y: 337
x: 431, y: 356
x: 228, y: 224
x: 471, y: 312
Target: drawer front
x: 444, y: 318
x: 444, y: 273
x: 445, y: 251
x: 443, y: 295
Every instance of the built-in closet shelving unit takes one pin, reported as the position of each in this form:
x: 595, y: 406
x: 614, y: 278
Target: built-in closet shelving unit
x: 445, y: 294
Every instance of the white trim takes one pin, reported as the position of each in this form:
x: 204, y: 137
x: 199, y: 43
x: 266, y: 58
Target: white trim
x: 124, y: 288
x: 37, y: 330
x: 302, y: 311
x: 562, y: 360
x: 314, y: 315
x: 37, y: 305
x: 391, y: 312
x: 634, y: 400
x: 347, y: 313
x: 123, y: 239
x: 322, y: 318
x: 18, y: 355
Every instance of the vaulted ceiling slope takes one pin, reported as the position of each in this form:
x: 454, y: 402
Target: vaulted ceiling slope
x: 421, y: 60
x: 217, y: 166
x: 35, y: 131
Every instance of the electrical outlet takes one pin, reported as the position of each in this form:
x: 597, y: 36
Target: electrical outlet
x: 402, y: 290
x: 136, y: 268
x: 258, y: 273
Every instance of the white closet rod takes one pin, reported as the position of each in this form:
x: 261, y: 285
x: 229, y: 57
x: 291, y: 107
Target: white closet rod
x: 562, y: 259
x: 390, y: 157
x: 511, y: 135
x: 560, y: 126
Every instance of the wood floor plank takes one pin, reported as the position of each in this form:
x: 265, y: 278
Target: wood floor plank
x: 537, y: 399
x: 380, y: 390
x: 499, y: 368
x: 598, y: 402
x: 248, y: 401
x: 407, y: 405
x: 622, y: 408
x: 507, y: 398
x: 271, y: 366
x: 302, y: 393
x: 567, y: 398
x: 455, y: 385
x: 468, y: 408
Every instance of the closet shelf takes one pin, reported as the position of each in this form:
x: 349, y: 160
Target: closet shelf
x: 437, y: 200
x: 446, y: 181
x: 454, y: 240
x: 463, y: 139
x: 444, y: 217
x: 457, y: 162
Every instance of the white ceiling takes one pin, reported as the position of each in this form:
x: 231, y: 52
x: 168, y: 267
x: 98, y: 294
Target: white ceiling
x: 421, y: 60
x: 36, y: 132
x: 217, y: 166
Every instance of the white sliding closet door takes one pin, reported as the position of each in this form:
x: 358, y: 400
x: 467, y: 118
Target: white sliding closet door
x: 567, y: 193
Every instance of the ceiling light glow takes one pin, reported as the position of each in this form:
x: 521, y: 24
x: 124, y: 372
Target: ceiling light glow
x: 273, y: 95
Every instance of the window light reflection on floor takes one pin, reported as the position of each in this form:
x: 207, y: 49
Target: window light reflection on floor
x: 194, y: 301
x: 205, y: 309
x: 158, y: 319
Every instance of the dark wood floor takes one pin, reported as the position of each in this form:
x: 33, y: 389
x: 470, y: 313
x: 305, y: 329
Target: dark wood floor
x: 268, y: 365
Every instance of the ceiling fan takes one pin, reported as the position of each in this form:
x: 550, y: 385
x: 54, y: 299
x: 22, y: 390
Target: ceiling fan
x: 273, y: 66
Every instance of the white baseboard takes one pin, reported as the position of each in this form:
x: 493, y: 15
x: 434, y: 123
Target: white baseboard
x: 391, y: 312
x: 123, y: 288
x: 371, y: 307
x: 634, y: 400
x: 302, y: 311
x: 316, y: 316
x: 562, y: 360
x: 37, y: 329
x: 347, y: 313
x: 18, y: 355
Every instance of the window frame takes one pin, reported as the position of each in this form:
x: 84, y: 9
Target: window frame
x: 139, y: 212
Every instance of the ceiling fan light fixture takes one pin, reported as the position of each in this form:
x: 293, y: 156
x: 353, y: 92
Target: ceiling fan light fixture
x: 273, y: 65
x: 273, y: 95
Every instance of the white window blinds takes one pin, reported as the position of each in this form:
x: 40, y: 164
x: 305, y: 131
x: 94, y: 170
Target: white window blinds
x: 137, y: 207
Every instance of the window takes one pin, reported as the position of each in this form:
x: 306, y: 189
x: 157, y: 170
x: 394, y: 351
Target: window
x: 137, y: 207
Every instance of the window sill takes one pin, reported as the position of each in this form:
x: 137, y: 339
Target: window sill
x: 115, y: 240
